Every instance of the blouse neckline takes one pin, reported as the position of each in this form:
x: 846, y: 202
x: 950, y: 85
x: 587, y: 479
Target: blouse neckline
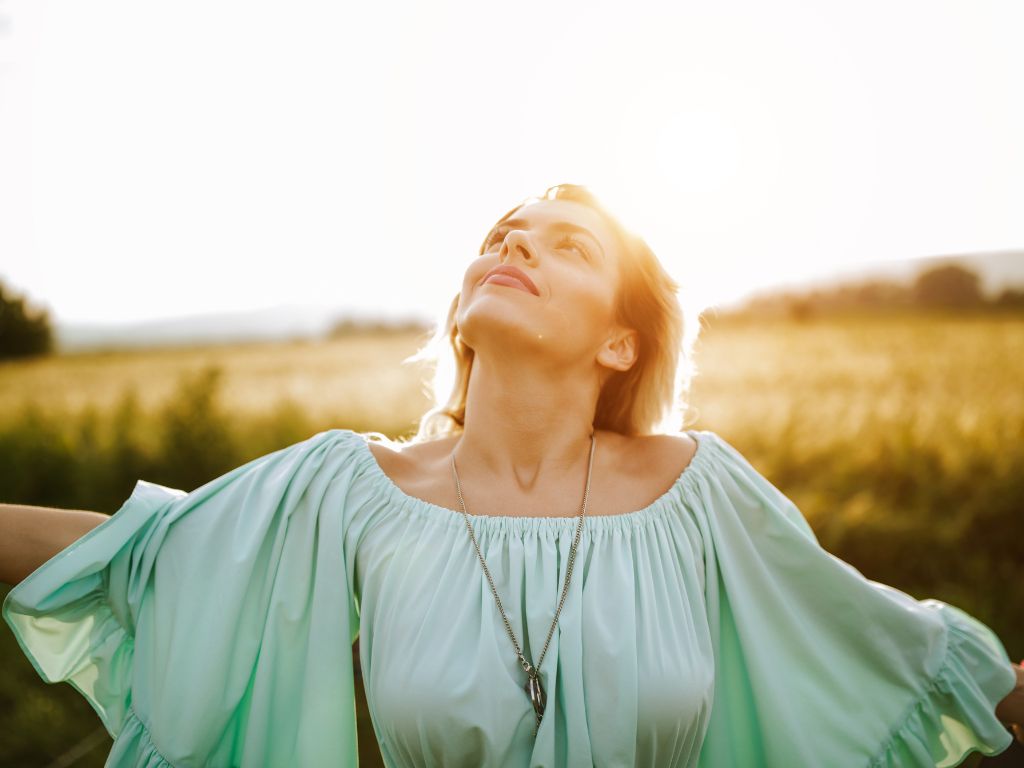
x: 396, y: 497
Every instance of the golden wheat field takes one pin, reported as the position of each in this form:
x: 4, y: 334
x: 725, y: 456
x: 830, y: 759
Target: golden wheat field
x: 330, y: 381
x: 957, y: 384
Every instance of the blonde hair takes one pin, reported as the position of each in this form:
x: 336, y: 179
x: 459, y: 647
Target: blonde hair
x: 649, y: 397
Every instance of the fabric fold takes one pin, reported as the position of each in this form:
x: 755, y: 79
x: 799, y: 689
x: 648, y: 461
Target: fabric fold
x: 134, y: 747
x: 817, y: 664
x: 955, y: 714
x: 73, y: 616
x: 211, y: 627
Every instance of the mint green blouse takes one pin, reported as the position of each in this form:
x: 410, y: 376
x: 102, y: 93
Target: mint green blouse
x: 710, y: 628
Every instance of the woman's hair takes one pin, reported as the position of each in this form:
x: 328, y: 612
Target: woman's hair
x: 647, y: 398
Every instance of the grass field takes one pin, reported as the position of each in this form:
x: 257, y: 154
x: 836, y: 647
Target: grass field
x: 901, y: 440
x: 361, y: 377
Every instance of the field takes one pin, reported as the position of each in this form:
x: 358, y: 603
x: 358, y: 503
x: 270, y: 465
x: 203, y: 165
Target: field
x: 901, y: 440
x: 361, y: 377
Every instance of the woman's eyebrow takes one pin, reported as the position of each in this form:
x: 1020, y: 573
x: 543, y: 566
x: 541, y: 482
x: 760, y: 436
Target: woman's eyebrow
x: 556, y: 226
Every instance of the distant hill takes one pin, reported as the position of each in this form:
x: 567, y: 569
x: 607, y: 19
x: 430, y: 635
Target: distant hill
x: 281, y: 323
x: 997, y: 270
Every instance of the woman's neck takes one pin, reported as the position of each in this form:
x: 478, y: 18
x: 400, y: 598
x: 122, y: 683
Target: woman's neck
x: 525, y: 425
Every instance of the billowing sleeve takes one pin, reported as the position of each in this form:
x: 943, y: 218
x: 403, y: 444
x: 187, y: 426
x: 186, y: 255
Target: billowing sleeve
x: 817, y: 665
x: 211, y: 628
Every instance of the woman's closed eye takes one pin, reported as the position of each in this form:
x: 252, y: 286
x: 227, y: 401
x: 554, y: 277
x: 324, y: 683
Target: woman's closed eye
x: 568, y: 241
x: 574, y: 243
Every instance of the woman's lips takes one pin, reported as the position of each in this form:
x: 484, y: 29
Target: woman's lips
x: 513, y: 273
x: 509, y: 281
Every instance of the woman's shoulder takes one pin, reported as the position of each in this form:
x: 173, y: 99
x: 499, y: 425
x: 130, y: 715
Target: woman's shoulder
x: 404, y: 460
x: 679, y: 443
x: 418, y: 468
x: 663, y: 453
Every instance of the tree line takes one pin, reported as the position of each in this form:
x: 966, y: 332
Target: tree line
x: 949, y: 288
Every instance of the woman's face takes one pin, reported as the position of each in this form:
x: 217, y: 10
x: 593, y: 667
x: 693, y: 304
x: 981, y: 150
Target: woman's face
x: 569, y: 255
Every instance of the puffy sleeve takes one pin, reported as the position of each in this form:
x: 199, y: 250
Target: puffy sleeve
x: 215, y: 627
x: 816, y: 664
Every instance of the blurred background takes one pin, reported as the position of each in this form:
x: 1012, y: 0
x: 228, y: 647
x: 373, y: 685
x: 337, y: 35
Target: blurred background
x: 223, y: 227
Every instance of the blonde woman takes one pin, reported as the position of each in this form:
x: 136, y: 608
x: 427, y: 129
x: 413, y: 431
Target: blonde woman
x: 548, y: 574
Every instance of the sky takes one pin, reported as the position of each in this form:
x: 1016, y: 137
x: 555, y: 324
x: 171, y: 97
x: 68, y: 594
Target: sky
x: 159, y: 160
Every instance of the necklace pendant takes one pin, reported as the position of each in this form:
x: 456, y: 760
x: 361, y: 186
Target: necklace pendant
x: 537, y: 696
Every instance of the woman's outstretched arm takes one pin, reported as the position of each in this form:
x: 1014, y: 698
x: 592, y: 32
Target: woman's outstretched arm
x: 29, y: 536
x: 1010, y: 710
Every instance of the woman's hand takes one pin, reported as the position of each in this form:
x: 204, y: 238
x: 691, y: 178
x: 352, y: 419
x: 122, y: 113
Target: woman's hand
x: 1010, y: 710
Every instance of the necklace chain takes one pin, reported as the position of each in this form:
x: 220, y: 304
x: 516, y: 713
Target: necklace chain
x: 531, y: 670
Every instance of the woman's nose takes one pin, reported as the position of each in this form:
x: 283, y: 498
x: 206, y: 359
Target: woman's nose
x: 517, y: 243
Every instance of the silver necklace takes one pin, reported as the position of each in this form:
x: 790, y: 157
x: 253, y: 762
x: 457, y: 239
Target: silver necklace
x: 533, y: 687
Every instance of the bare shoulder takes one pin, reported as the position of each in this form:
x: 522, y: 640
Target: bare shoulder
x: 666, y: 454
x: 390, y: 454
x: 387, y: 454
x: 401, y: 460
x: 663, y: 455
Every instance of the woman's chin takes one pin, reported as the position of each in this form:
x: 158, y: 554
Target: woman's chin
x: 502, y: 331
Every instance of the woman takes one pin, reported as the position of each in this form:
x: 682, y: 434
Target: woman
x: 546, y: 575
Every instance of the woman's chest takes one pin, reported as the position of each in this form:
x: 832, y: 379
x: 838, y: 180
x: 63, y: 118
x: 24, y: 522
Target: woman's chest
x: 628, y: 666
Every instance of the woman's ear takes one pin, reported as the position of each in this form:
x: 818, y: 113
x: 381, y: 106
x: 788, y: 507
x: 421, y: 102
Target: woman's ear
x: 620, y: 350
